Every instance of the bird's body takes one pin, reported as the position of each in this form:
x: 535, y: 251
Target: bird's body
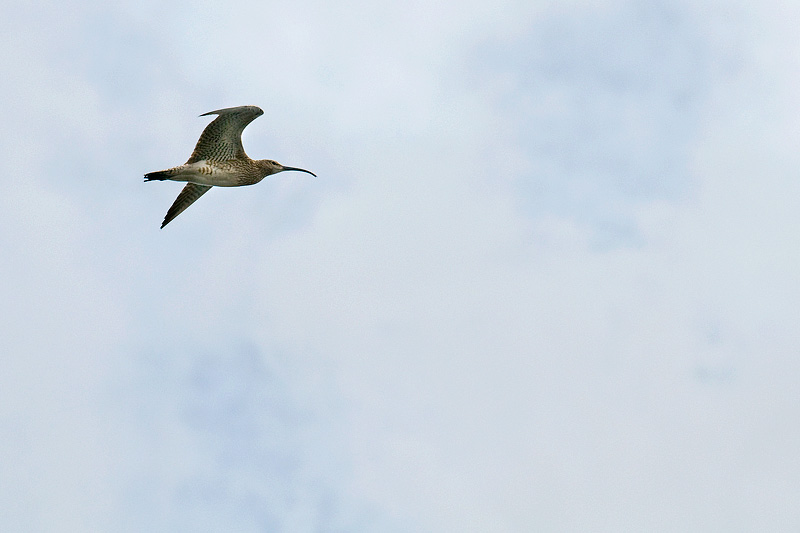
x: 218, y: 160
x: 230, y: 173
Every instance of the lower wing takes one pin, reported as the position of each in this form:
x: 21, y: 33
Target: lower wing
x: 190, y: 193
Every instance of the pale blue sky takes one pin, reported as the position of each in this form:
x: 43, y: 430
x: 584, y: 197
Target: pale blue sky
x: 547, y: 279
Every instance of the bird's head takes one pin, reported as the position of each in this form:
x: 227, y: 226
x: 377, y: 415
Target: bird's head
x: 273, y: 167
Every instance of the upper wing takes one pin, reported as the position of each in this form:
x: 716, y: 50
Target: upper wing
x: 190, y: 193
x: 222, y: 139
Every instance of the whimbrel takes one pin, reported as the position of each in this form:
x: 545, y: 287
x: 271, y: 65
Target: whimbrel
x: 219, y: 160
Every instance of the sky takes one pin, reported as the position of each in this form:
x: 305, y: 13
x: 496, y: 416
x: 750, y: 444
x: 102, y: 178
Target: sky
x: 547, y: 278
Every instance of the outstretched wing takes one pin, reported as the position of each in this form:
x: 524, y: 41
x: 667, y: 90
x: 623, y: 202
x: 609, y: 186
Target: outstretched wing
x: 188, y: 195
x: 222, y: 139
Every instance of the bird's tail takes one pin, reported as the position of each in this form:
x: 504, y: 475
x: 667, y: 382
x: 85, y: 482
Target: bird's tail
x: 161, y: 175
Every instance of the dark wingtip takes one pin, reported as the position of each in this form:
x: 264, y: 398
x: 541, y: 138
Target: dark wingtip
x: 255, y: 108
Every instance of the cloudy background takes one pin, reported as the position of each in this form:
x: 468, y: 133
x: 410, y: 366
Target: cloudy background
x: 547, y: 279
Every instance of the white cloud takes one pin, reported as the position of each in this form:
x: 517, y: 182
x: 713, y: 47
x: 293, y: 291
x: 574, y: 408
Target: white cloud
x: 492, y: 364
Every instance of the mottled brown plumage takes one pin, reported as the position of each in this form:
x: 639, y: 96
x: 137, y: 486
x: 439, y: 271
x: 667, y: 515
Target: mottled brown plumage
x: 218, y: 160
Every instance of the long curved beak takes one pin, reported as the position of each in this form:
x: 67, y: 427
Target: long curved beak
x: 300, y: 170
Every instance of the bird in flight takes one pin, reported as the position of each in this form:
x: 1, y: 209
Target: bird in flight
x: 219, y: 160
